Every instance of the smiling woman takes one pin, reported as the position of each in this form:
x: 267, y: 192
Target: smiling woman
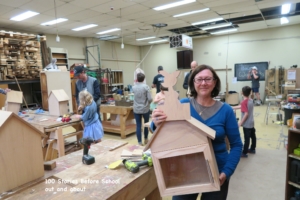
x: 205, y: 85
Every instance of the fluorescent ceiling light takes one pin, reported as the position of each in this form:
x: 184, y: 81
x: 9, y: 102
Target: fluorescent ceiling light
x: 147, y: 38
x: 109, y: 31
x: 224, y: 31
x: 284, y: 20
x: 56, y: 21
x: 192, y: 12
x: 84, y: 27
x: 285, y: 8
x: 207, y: 21
x: 171, y: 5
x: 24, y: 15
x: 216, y: 26
x: 158, y: 41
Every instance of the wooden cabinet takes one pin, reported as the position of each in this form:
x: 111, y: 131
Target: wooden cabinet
x: 61, y: 56
x: 55, y: 80
x: 293, y: 143
x: 109, y: 80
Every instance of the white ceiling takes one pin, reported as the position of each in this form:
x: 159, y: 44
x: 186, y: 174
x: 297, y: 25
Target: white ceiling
x: 137, y: 16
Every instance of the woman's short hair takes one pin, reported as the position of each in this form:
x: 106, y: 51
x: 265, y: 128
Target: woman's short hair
x: 85, y: 98
x: 140, y: 77
x: 217, y: 88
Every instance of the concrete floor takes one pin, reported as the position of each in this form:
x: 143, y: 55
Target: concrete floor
x: 260, y: 176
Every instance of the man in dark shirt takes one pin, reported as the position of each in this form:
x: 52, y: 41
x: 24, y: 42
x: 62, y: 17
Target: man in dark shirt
x: 254, y: 76
x: 85, y: 82
x: 158, y: 79
x: 194, y: 64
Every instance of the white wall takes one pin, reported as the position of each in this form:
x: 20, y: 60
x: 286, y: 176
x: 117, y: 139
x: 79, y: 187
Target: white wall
x: 279, y: 46
x: 113, y: 57
x: 74, y: 45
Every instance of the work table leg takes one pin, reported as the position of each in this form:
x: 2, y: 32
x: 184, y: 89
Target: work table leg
x: 60, y: 142
x: 123, y: 126
x: 154, y: 195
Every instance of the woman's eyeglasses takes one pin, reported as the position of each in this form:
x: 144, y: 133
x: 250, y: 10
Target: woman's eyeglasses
x: 206, y: 80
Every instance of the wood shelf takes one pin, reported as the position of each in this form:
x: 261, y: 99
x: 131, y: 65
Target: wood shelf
x: 115, y: 79
x: 15, y: 58
x: 61, y: 55
x: 293, y: 143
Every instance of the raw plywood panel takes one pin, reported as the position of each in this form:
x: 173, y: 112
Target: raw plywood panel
x: 21, y: 154
x: 14, y: 97
x: 177, y: 134
x: 184, y: 170
x: 13, y: 107
x: 58, y: 80
x: 82, y: 171
x: 177, y: 183
x: 53, y: 106
x: 172, y: 106
x: 57, y: 108
x: 63, y: 108
x: 207, y: 130
x: 38, y: 190
x: 60, y: 95
x: 4, y: 116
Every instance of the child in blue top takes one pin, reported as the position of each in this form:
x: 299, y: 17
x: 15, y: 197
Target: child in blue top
x: 92, y: 126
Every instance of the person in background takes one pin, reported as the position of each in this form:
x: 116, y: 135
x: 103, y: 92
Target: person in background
x: 160, y: 97
x: 92, y: 126
x: 4, y: 91
x: 205, y: 84
x: 194, y: 64
x: 85, y: 82
x: 247, y: 122
x: 254, y: 76
x: 141, y: 106
x: 158, y: 79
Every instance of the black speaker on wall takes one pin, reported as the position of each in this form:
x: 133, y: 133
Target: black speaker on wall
x: 184, y: 59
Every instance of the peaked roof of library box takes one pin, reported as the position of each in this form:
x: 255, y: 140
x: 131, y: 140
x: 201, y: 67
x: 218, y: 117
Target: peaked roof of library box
x: 60, y: 95
x: 188, y: 133
x: 7, y: 115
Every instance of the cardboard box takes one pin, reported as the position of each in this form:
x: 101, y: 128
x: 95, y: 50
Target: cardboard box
x: 233, y: 99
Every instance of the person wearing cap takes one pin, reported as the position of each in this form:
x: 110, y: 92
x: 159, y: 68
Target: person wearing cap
x: 158, y: 79
x: 254, y: 76
x: 194, y: 64
x: 85, y: 82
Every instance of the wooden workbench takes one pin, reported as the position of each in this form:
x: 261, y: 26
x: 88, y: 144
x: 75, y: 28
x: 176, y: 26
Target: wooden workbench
x: 125, y: 113
x: 93, y: 181
x: 54, y: 130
